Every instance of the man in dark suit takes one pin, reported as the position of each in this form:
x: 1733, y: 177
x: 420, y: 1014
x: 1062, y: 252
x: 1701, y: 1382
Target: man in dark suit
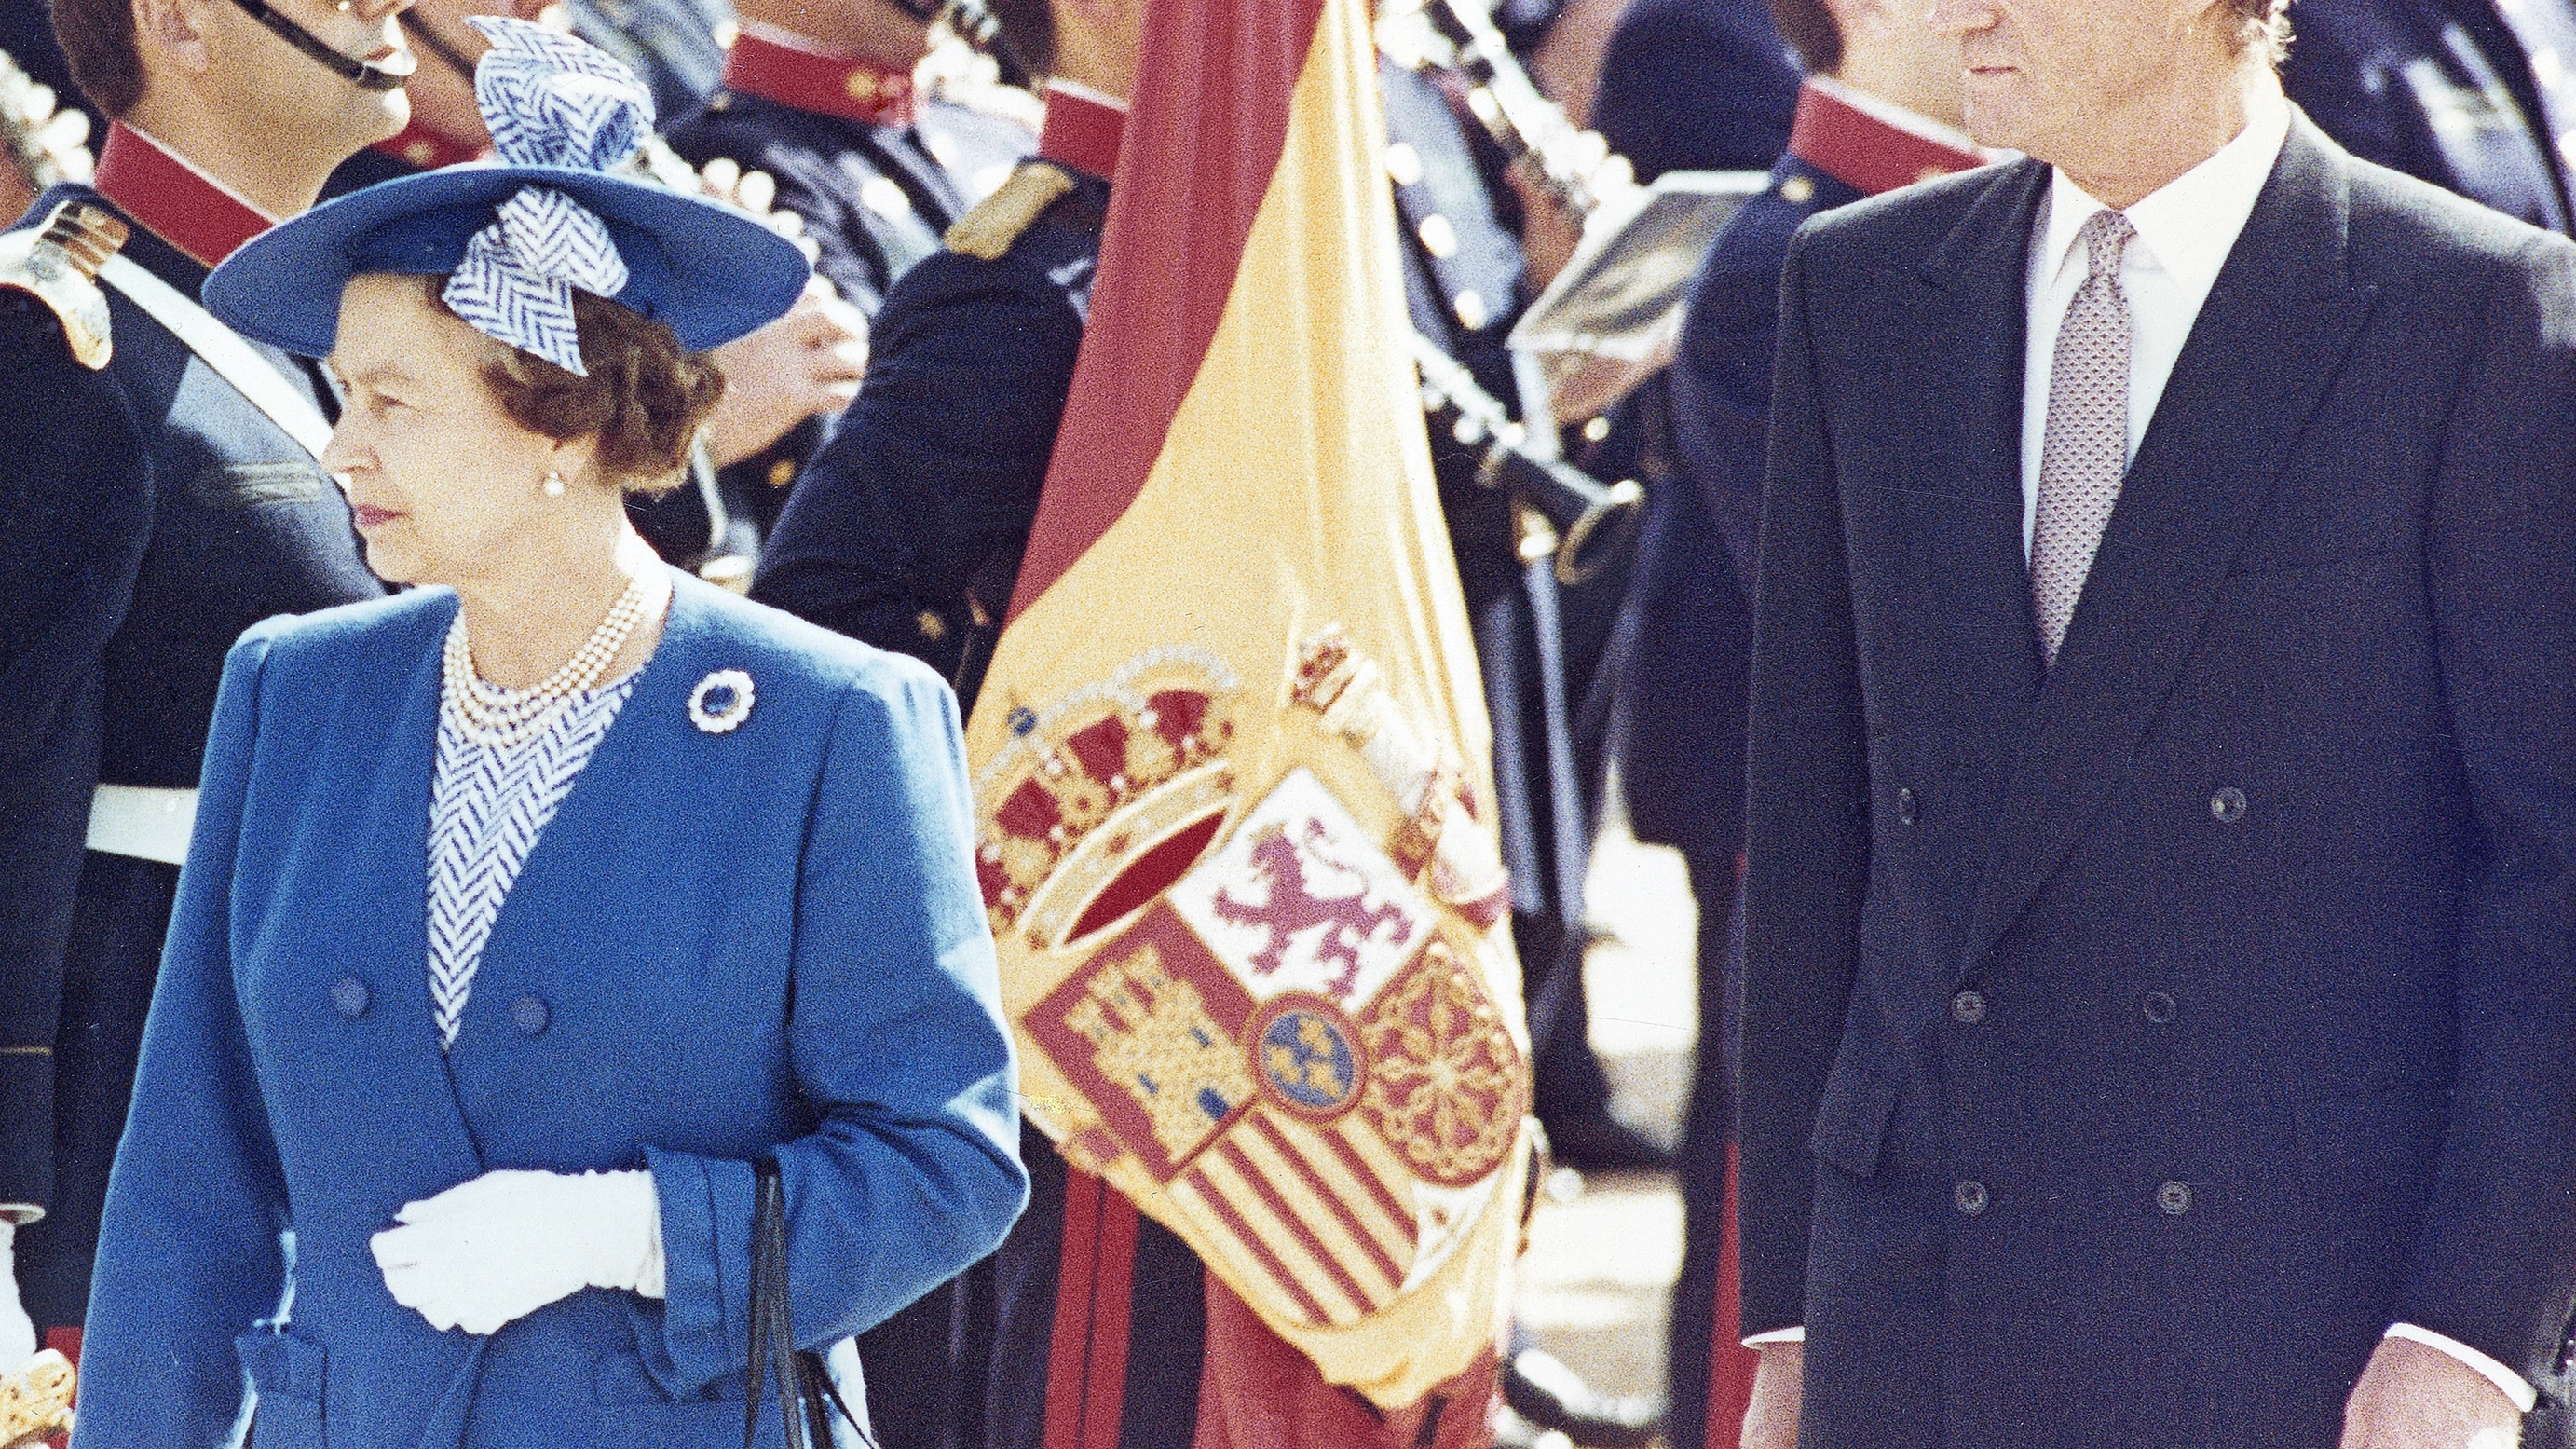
x: 2159, y: 964
x: 1879, y: 111
x: 183, y: 504
x: 2475, y: 96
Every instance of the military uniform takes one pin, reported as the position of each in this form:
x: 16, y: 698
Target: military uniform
x: 1695, y: 85
x: 157, y: 515
x: 1464, y: 287
x: 852, y: 150
x: 907, y: 532
x: 1682, y: 698
x: 2473, y: 95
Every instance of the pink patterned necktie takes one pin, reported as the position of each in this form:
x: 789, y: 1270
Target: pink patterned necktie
x: 2086, y: 448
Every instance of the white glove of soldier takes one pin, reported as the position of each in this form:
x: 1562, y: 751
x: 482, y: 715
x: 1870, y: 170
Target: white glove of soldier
x: 17, y: 1334
x: 506, y: 1244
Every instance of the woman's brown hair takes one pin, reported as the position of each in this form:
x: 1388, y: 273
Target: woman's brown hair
x: 642, y: 398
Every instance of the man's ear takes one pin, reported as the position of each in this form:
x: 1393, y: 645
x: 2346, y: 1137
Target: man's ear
x: 173, y: 32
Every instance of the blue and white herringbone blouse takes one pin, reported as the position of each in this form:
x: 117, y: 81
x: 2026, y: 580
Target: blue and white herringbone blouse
x: 487, y: 805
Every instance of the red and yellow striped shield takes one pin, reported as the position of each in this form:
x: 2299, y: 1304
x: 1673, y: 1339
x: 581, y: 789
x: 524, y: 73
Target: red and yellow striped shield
x: 1236, y: 823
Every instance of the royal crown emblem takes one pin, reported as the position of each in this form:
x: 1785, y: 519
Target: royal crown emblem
x: 1276, y: 1014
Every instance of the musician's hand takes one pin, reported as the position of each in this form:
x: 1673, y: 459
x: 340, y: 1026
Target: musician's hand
x: 1771, y: 1420
x: 17, y: 1333
x: 805, y: 363
x: 2414, y: 1396
x: 1549, y: 231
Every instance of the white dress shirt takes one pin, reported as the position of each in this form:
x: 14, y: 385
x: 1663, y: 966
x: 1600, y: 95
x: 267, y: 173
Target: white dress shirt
x: 2185, y: 230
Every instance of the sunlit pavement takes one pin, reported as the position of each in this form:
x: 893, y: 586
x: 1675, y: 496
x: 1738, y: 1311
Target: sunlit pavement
x: 1604, y: 1251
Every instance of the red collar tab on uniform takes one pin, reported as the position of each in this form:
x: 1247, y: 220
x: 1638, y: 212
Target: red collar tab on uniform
x: 174, y: 200
x: 1083, y: 130
x: 797, y: 72
x: 420, y: 146
x: 1863, y: 152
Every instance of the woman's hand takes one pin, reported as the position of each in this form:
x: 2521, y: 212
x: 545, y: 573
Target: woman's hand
x: 498, y: 1248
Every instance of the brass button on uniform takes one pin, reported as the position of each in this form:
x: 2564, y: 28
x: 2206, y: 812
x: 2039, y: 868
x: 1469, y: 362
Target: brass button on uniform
x: 2159, y: 1008
x: 2227, y: 806
x: 1968, y: 1008
x: 2174, y: 1198
x: 1970, y: 1197
x: 1905, y: 806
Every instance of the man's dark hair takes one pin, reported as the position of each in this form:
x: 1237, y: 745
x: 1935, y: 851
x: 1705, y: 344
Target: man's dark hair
x: 1028, y: 27
x: 1811, y: 30
x: 98, y: 39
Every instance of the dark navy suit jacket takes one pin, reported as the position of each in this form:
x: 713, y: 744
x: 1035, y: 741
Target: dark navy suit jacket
x: 2129, y: 1043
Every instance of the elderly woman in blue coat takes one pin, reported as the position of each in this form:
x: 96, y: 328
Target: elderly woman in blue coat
x: 525, y: 915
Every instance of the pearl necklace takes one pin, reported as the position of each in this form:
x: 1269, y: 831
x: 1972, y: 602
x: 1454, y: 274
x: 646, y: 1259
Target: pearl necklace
x: 498, y: 717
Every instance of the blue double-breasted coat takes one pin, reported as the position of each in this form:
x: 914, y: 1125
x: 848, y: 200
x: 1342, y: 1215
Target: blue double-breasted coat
x: 766, y: 940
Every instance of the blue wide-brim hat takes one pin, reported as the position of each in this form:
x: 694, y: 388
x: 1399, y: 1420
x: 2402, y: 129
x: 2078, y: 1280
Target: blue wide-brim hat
x: 709, y: 273
x: 517, y: 239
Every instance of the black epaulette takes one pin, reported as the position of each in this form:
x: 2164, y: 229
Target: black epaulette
x: 58, y: 264
x: 988, y: 232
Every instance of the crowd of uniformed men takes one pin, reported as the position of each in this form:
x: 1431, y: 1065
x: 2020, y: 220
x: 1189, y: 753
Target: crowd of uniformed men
x: 877, y: 461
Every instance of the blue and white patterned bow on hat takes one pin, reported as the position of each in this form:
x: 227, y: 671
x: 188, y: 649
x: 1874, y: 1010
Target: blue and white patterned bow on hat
x: 550, y: 100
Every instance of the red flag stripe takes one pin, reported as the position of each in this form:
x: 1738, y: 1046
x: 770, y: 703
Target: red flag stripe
x: 1208, y: 124
x: 1359, y: 1168
x: 1329, y: 1195
x: 1235, y: 1224
x: 1293, y: 1227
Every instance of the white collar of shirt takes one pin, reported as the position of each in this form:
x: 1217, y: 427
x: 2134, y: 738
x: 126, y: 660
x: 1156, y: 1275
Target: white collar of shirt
x: 1889, y: 113
x: 2185, y: 231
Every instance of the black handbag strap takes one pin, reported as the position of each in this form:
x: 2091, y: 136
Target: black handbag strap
x: 807, y: 1398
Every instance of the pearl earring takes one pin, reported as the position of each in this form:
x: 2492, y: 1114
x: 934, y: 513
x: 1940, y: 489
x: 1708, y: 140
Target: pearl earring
x: 554, y: 483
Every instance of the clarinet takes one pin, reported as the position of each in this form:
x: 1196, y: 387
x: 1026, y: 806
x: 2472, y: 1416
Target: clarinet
x: 1575, y: 166
x: 47, y: 146
x: 1591, y: 518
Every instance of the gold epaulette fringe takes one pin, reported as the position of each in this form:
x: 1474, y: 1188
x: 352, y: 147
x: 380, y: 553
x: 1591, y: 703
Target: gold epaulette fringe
x: 988, y: 232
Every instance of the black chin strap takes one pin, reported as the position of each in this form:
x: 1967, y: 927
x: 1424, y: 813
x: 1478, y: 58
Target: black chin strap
x: 359, y: 73
x: 974, y: 23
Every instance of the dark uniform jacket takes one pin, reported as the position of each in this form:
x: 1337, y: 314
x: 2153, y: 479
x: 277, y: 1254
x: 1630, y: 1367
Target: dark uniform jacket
x: 1695, y: 85
x: 143, y: 543
x: 874, y: 198
x: 2129, y: 1043
x: 2451, y: 91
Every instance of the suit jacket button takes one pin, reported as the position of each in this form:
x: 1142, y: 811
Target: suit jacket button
x: 530, y: 1014
x: 1905, y: 811
x: 1968, y: 1008
x: 2227, y: 806
x: 349, y: 997
x: 1970, y: 1197
x: 2159, y: 1008
x: 2174, y: 1198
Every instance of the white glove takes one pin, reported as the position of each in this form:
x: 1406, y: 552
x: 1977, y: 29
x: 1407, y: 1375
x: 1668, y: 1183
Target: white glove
x: 486, y: 1252
x: 17, y: 1334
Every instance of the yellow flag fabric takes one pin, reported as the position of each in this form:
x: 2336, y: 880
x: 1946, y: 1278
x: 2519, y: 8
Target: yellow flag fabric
x: 1236, y: 821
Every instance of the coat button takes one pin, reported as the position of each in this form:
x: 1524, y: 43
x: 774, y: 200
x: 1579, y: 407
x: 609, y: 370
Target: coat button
x: 1905, y: 807
x: 2227, y: 806
x: 1968, y: 1008
x: 349, y: 997
x: 530, y: 1014
x: 2159, y: 1008
x: 2174, y: 1198
x: 1970, y: 1197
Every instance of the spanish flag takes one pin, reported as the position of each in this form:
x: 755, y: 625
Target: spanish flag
x: 1235, y: 815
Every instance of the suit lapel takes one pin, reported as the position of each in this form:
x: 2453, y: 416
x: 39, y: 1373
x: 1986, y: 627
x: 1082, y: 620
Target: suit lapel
x: 1965, y: 519
x: 2270, y: 337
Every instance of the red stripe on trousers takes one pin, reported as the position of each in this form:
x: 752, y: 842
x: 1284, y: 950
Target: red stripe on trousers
x: 1086, y: 1387
x: 1730, y: 1363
